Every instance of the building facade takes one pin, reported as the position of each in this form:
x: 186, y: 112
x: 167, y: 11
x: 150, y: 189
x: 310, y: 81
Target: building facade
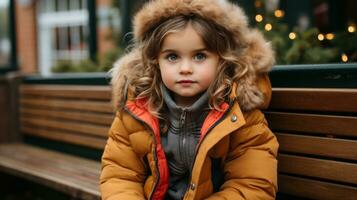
x: 37, y: 35
x: 49, y: 31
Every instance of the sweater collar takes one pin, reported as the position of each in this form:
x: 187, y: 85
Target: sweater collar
x: 194, y: 111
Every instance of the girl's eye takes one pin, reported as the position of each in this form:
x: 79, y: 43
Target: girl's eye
x: 172, y: 57
x: 200, y: 57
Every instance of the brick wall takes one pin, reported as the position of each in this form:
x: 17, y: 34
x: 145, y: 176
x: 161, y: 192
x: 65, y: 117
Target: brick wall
x: 26, y: 35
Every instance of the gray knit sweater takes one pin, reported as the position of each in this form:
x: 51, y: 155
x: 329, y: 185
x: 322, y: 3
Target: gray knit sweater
x: 181, y: 140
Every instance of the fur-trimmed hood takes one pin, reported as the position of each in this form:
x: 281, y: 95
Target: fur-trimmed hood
x: 253, y: 89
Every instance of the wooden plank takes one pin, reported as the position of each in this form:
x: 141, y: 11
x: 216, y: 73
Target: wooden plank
x: 67, y: 137
x: 325, y: 169
x: 314, y: 99
x: 4, y: 118
x: 312, y: 189
x: 40, y: 123
x: 320, y: 146
x: 89, y: 117
x: 68, y: 91
x: 72, y: 175
x: 85, y: 105
x: 9, y: 108
x: 313, y: 123
x: 13, y: 82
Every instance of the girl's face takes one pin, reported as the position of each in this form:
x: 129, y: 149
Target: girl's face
x: 187, y: 67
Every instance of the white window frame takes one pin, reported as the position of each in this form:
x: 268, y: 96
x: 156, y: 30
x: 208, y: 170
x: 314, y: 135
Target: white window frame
x: 47, y: 21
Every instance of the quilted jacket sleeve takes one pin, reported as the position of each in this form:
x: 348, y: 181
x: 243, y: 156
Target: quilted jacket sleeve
x: 123, y: 172
x: 251, y: 165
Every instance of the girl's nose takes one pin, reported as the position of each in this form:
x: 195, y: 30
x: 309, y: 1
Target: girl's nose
x: 186, y: 67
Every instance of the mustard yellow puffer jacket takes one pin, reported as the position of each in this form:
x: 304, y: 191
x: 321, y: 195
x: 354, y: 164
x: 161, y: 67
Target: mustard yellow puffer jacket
x: 134, y: 164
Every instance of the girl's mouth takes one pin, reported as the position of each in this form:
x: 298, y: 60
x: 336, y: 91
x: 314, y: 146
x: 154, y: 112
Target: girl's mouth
x: 186, y: 83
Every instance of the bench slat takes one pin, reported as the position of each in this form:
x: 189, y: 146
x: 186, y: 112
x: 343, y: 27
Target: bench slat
x: 72, y: 175
x: 96, y: 118
x: 43, y: 123
x: 321, y: 146
x: 314, y: 99
x: 312, y: 167
x: 70, y: 91
x: 312, y: 123
x: 313, y: 189
x: 78, y: 139
x: 84, y: 105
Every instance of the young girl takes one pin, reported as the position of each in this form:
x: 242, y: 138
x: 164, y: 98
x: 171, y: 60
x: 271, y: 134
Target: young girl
x: 188, y: 99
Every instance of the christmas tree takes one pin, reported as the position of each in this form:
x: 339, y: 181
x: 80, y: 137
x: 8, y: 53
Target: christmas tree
x: 299, y: 45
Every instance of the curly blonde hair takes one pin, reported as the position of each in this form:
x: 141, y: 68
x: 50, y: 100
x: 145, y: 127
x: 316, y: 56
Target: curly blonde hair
x: 216, y: 38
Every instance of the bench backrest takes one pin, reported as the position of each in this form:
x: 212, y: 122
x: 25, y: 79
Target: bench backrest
x: 73, y: 114
x: 316, y: 129
x: 317, y: 132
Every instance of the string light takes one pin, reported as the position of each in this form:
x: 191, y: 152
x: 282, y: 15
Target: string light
x: 258, y: 18
x: 320, y: 37
x: 292, y: 35
x: 330, y: 36
x: 278, y: 13
x: 351, y: 29
x: 344, y: 57
x: 268, y: 27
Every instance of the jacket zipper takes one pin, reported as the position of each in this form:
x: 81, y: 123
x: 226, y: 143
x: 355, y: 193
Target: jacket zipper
x: 155, y: 155
x: 183, y: 135
x: 183, y: 117
x: 208, y: 131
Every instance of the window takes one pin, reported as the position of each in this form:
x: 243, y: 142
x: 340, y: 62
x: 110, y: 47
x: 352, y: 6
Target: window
x: 7, y: 57
x: 63, y: 32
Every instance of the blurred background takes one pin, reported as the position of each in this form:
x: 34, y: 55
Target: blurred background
x: 56, y: 36
x: 55, y: 41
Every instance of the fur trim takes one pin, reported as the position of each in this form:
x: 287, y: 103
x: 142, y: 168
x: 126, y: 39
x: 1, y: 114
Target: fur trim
x: 219, y: 12
x: 260, y: 57
x: 257, y: 52
x: 125, y: 69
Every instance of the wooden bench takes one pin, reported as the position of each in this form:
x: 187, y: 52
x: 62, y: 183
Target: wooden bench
x: 67, y: 114
x: 316, y: 128
x: 317, y: 132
